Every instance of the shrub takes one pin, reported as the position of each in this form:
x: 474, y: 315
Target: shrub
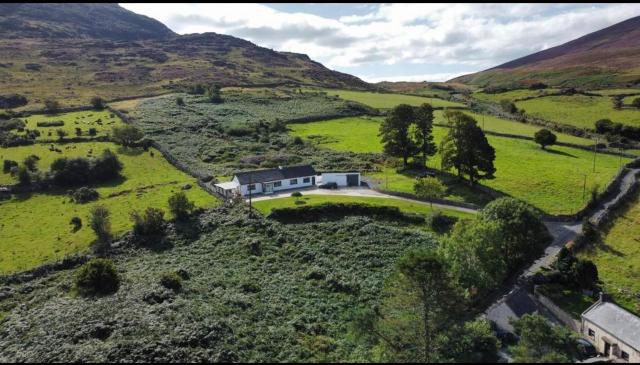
x: 149, y: 223
x: 81, y: 171
x: 298, y: 141
x: 636, y: 103
x: 180, y: 206
x: 101, y: 224
x: 30, y: 162
x: 24, y: 178
x: 338, y: 210
x: 78, y: 132
x: 106, y: 167
x: 439, y: 222
x: 93, y: 131
x: 97, y: 277
x: 51, y: 106
x: 8, y: 165
x: 508, y: 106
x: 171, y: 280
x: 61, y: 134
x: 52, y: 123
x: 7, y: 125
x: 179, y: 101
x: 126, y: 135
x: 84, y: 195
x: 76, y: 222
x: 604, y: 126
x: 296, y: 194
x: 239, y: 131
x: 97, y: 103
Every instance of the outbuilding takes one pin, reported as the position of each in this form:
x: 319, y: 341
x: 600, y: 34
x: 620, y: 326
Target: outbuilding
x: 614, y: 331
x: 341, y: 178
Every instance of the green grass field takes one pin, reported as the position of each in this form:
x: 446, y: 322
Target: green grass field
x: 388, y: 100
x: 266, y: 206
x: 35, y: 229
x: 551, y: 180
x: 102, y: 121
x: 618, y: 259
x: 511, y: 95
x: 578, y: 110
x: 610, y: 92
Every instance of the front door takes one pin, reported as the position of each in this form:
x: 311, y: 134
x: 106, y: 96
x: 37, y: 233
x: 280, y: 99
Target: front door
x: 268, y: 188
x: 607, y: 349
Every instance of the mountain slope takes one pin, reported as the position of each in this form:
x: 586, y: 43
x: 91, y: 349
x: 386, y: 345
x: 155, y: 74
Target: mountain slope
x: 46, y: 51
x: 101, y: 21
x: 608, y: 57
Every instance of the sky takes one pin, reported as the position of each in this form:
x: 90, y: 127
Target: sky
x: 396, y: 42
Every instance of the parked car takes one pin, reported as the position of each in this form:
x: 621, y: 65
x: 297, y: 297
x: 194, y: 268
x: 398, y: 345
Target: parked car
x: 586, y: 350
x: 329, y: 185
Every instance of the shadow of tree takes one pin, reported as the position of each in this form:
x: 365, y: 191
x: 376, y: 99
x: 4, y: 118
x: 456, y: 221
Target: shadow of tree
x: 561, y: 153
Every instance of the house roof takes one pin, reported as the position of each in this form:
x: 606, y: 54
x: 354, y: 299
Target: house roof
x: 281, y: 173
x: 618, y: 322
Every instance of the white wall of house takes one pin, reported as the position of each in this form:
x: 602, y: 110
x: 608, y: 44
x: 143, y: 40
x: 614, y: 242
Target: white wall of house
x: 339, y: 178
x: 284, y: 185
x: 597, y: 337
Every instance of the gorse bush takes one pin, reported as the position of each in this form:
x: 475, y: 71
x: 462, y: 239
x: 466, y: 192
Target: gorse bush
x: 84, y: 195
x: 180, y: 206
x: 97, y: 277
x: 81, y: 171
x: 149, y: 223
x: 171, y: 280
x: 53, y: 123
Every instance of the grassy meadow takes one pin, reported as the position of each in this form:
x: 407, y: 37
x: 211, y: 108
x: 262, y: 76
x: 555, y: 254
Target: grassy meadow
x: 578, y: 110
x: 102, y: 121
x: 618, y: 258
x: 388, y: 100
x: 35, y: 228
x: 551, y: 180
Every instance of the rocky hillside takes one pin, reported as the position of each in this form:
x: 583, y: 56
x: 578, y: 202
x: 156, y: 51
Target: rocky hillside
x: 74, y: 52
x: 608, y: 57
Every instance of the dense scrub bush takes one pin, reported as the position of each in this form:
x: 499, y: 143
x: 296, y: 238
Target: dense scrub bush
x: 439, y: 222
x: 12, y: 101
x: 11, y: 140
x: 30, y: 162
x: 171, y: 280
x: 180, y: 206
x: 10, y: 124
x: 329, y: 211
x: 76, y: 222
x: 84, y: 195
x: 81, y: 171
x: 97, y: 277
x: 24, y: 177
x: 8, y: 165
x: 97, y: 103
x: 52, y: 123
x: 149, y: 223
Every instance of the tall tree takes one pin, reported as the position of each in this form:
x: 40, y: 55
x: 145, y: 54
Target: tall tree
x: 424, y: 132
x: 395, y: 133
x: 467, y: 149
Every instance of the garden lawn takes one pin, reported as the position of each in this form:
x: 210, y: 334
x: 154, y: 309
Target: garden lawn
x: 102, y: 121
x: 551, y: 180
x: 266, y: 206
x: 578, y: 110
x: 618, y: 259
x: 35, y: 229
x: 389, y: 100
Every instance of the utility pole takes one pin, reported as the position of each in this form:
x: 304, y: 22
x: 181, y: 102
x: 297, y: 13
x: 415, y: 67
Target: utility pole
x: 595, y: 152
x: 584, y: 187
x: 250, y: 193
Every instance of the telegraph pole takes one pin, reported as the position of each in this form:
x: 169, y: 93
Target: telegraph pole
x: 595, y: 152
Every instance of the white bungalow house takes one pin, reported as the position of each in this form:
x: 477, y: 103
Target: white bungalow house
x: 614, y: 331
x: 268, y: 181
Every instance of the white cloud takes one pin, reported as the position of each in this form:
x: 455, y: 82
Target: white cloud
x: 455, y: 36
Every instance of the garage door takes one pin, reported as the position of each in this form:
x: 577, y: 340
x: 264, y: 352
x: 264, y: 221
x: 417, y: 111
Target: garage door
x: 352, y: 180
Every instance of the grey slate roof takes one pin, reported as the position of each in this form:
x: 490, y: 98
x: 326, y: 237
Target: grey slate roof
x: 618, y: 322
x: 289, y: 172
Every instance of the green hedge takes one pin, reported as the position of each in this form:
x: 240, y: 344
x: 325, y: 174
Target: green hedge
x: 331, y: 211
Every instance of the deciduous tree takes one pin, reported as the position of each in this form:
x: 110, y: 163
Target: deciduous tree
x: 394, y: 131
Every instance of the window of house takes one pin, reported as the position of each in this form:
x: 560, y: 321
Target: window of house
x: 293, y: 181
x: 306, y: 180
x: 277, y: 184
x: 251, y: 186
x: 624, y: 355
x: 592, y: 333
